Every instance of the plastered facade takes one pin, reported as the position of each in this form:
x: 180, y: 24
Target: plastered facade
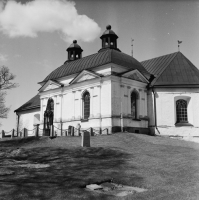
x: 166, y: 119
x: 109, y: 101
x: 29, y: 119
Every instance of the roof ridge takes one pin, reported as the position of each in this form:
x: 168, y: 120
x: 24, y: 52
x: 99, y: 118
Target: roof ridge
x: 174, y: 55
x: 160, y: 56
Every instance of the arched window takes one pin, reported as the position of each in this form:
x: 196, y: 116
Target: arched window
x: 86, y: 105
x: 181, y: 110
x: 134, y: 106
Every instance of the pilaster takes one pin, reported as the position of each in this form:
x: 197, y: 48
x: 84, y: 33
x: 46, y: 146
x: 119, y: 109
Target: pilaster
x: 91, y: 102
x: 73, y: 111
x: 128, y: 100
x: 99, y: 101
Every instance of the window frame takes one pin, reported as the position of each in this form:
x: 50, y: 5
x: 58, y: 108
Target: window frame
x: 189, y: 121
x: 181, y: 111
x: 136, y: 100
x: 88, y: 104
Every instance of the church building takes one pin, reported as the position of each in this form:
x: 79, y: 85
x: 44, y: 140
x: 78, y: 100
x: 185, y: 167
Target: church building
x: 112, y: 90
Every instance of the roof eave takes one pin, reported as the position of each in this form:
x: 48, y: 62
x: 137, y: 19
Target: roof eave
x: 176, y: 86
x: 30, y: 108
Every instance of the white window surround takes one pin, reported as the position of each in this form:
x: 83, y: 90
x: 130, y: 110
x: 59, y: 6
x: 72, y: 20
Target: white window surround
x: 137, y: 103
x: 189, y: 108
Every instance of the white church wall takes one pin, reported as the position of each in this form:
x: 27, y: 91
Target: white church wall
x: 195, y: 104
x: 96, y: 101
x: 116, y: 99
x: 57, y: 105
x: 78, y: 99
x: 105, y: 102
x: 106, y: 99
x: 69, y: 106
x: 121, y: 102
x: 29, y: 118
x: 166, y: 111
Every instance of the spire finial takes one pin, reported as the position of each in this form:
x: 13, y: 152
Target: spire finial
x: 74, y: 41
x: 108, y: 27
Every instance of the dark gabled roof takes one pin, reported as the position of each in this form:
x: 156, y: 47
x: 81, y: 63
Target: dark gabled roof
x: 31, y: 104
x: 156, y: 65
x: 172, y: 70
x: 94, y: 60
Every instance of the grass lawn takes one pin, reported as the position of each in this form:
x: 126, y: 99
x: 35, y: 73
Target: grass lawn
x: 168, y: 168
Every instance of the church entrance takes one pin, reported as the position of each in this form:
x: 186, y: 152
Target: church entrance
x: 48, y: 117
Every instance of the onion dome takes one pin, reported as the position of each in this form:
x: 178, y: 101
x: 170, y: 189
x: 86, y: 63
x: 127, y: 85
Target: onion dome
x: 74, y: 51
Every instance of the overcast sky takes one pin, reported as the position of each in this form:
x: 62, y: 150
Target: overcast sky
x: 34, y: 35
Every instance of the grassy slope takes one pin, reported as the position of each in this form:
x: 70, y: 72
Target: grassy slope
x: 168, y: 168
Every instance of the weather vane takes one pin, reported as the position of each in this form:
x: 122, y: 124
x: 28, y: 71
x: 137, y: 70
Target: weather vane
x: 179, y: 42
x: 132, y: 47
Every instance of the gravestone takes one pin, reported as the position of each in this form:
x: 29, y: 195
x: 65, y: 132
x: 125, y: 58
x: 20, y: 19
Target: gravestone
x: 13, y: 133
x: 72, y: 130
x: 20, y: 134
x: 91, y: 131
x: 52, y: 133
x: 69, y: 130
x: 78, y: 130
x: 25, y: 132
x: 65, y: 133
x: 85, y: 139
x: 37, y: 131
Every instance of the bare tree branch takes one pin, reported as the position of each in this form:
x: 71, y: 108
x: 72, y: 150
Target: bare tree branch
x: 6, y: 78
x: 3, y: 109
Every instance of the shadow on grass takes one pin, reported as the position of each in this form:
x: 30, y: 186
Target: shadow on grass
x: 69, y: 172
x: 19, y: 141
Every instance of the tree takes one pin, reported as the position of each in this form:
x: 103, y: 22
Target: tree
x: 6, y: 78
x: 3, y: 109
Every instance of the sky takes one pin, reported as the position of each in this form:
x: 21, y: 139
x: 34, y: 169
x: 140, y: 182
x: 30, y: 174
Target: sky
x: 34, y: 35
